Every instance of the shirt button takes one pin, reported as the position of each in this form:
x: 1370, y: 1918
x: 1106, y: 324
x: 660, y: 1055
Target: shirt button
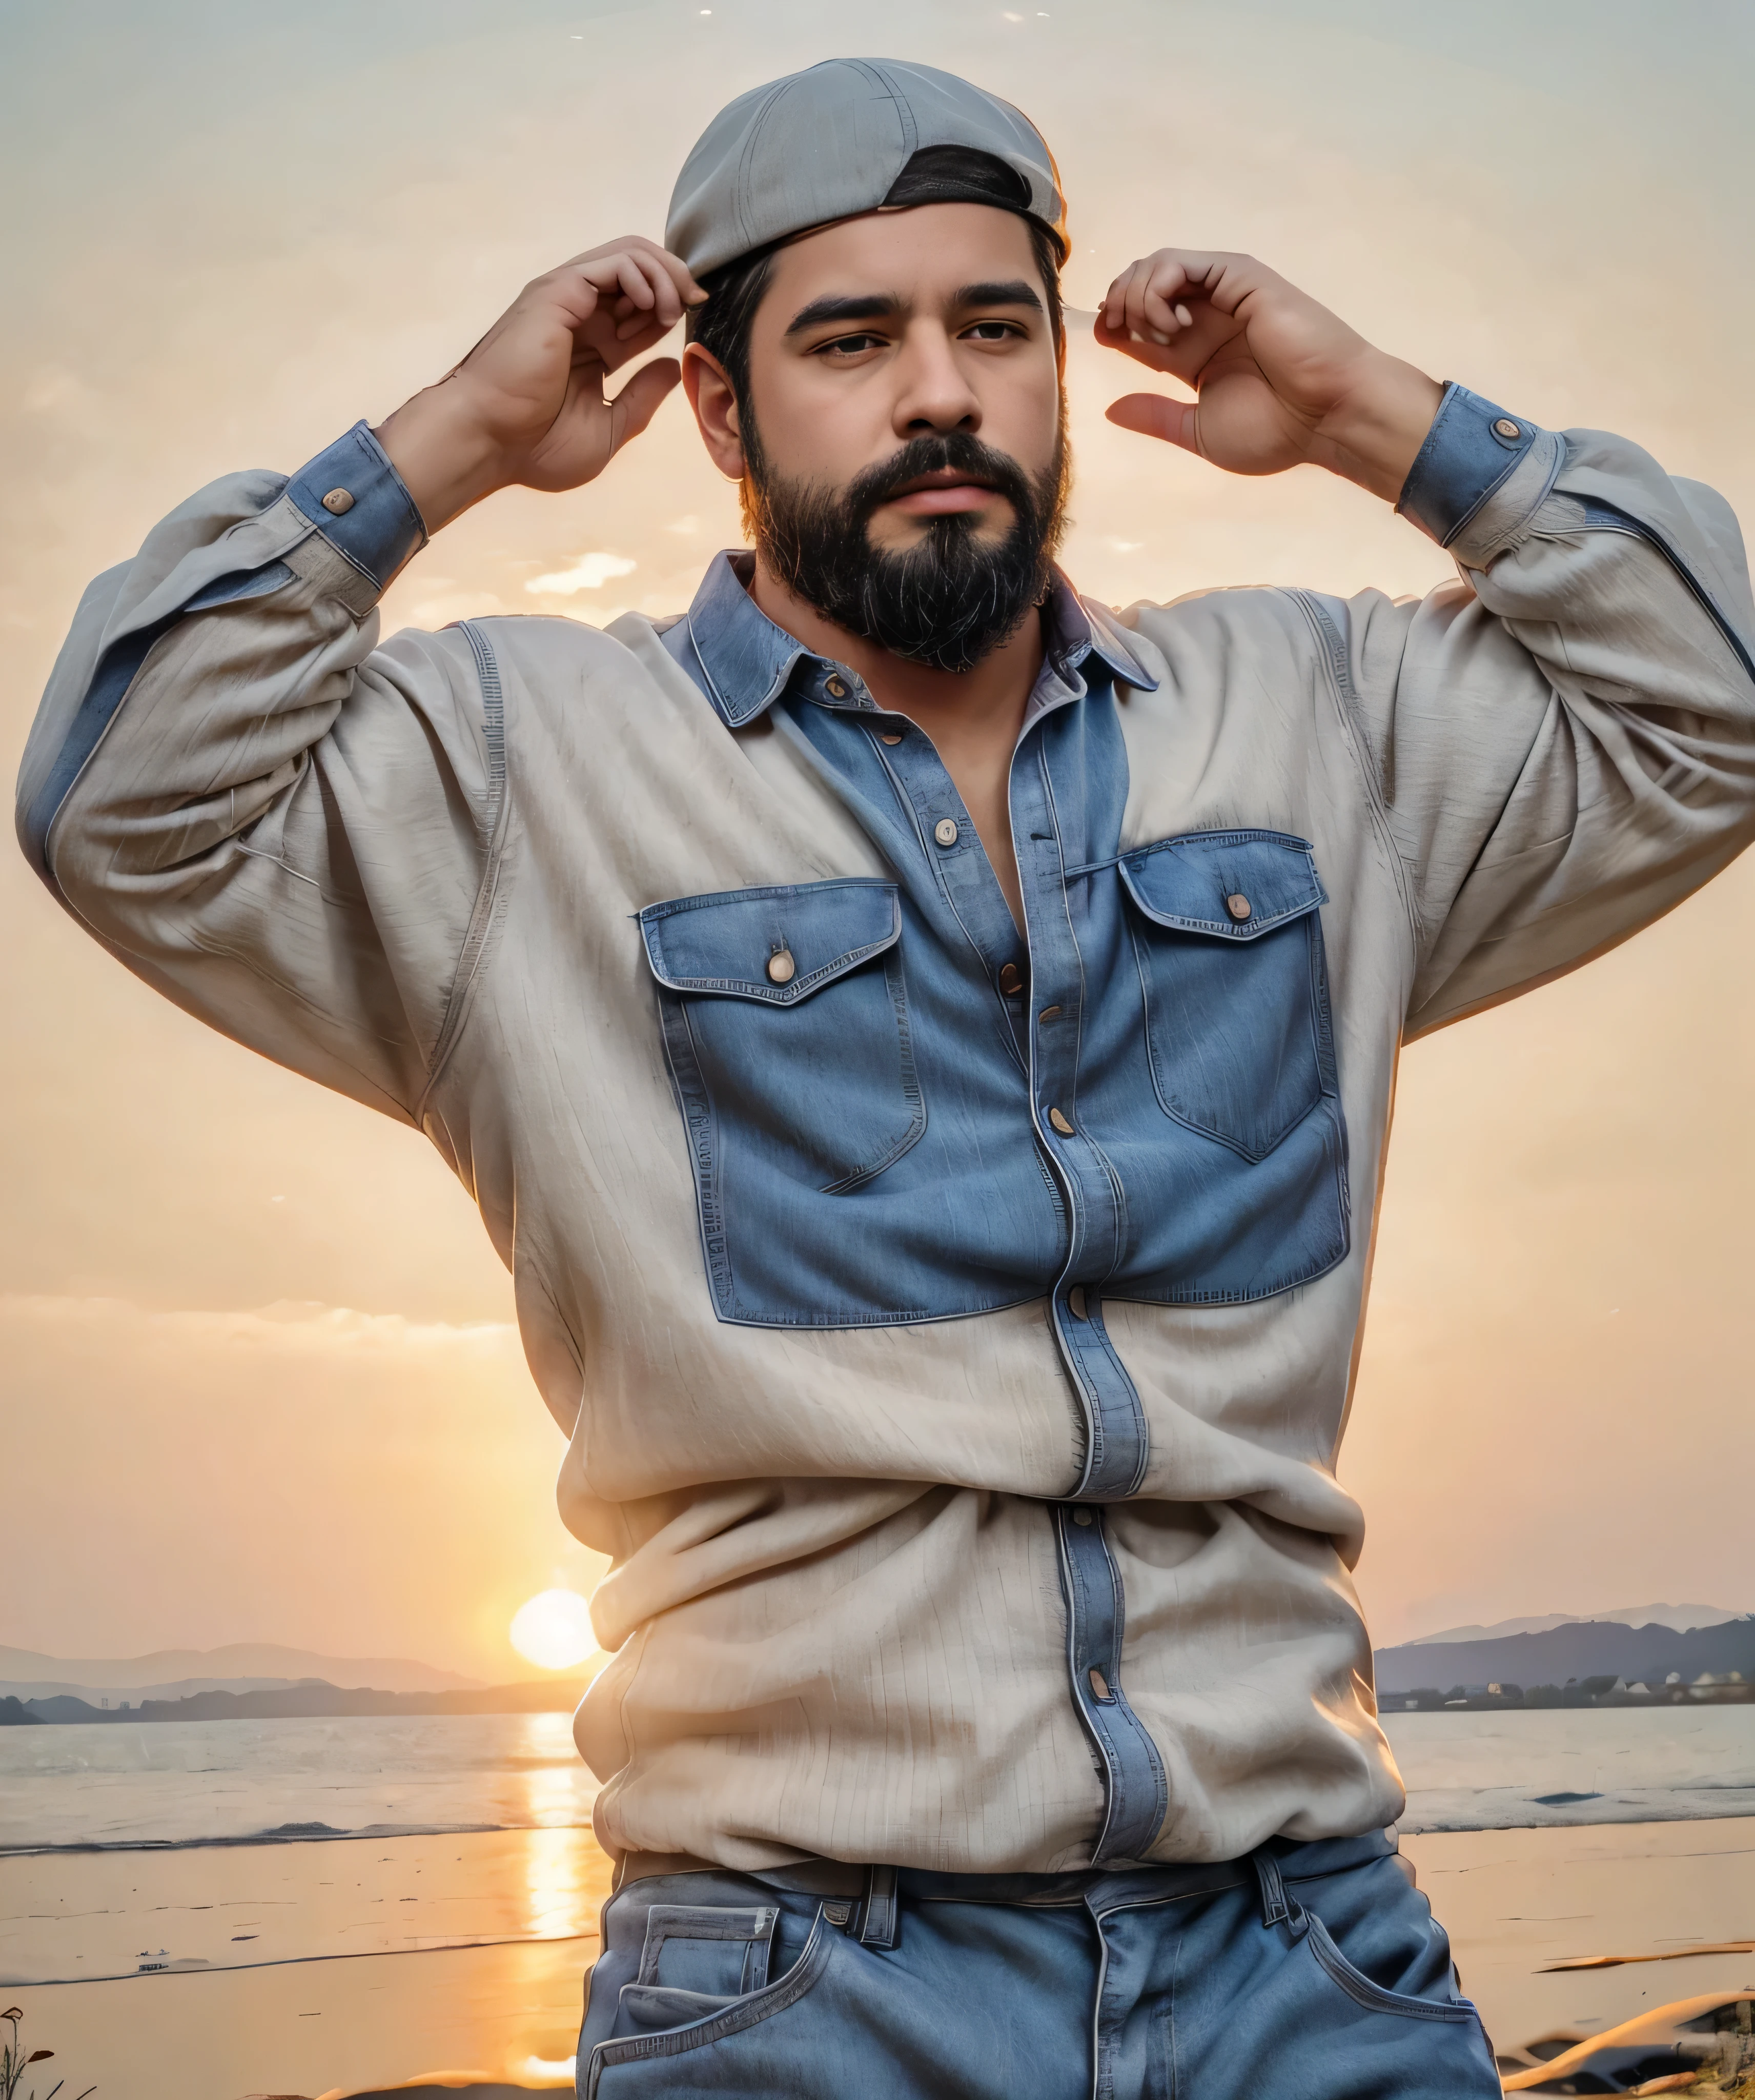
x: 1059, y: 1122
x: 837, y: 688
x: 1075, y: 1302
x: 1081, y: 1516
x: 944, y: 830
x: 1506, y: 428
x: 1011, y: 979
x: 338, y: 502
x: 1098, y: 1683
x: 892, y: 736
x: 1239, y: 907
x: 781, y: 967
x: 1049, y: 1014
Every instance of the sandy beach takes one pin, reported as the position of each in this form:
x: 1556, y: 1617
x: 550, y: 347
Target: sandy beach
x: 378, y: 1960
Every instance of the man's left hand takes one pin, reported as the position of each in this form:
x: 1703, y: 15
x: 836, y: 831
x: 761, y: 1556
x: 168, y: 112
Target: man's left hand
x: 1280, y: 380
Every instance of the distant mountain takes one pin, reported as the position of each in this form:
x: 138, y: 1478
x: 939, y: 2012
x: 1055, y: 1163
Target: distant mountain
x: 1586, y: 1648
x: 244, y: 1667
x: 1680, y: 1618
x: 305, y: 1701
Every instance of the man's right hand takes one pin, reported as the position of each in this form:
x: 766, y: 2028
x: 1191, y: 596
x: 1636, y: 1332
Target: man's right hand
x: 527, y: 405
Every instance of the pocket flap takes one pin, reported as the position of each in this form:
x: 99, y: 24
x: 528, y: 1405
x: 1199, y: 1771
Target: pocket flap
x: 779, y: 945
x: 1237, y: 884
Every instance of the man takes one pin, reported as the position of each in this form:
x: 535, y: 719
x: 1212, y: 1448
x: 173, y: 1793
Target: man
x: 923, y: 1045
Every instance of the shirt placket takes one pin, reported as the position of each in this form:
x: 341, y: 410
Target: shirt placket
x: 1047, y: 969
x: 1136, y: 1790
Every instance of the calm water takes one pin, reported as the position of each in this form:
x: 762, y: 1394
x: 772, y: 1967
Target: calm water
x: 1500, y: 1771
x: 198, y: 1782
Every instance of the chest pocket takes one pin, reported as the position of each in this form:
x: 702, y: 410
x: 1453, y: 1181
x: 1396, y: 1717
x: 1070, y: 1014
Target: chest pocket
x: 1226, y: 933
x: 786, y: 1023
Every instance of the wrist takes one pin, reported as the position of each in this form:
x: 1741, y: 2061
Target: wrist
x: 1372, y: 434
x: 446, y: 456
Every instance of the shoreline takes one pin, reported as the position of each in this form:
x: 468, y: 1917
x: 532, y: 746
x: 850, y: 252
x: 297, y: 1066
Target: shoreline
x: 510, y: 1919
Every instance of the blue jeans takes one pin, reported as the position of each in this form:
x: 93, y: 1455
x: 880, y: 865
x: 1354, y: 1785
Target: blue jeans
x: 1308, y: 1970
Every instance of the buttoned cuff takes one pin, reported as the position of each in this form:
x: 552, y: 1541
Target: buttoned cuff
x: 355, y: 498
x: 1475, y: 451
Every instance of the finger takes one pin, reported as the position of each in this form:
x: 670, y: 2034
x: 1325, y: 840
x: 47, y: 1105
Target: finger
x: 1158, y: 357
x: 1157, y: 416
x: 664, y: 303
x: 638, y: 401
x: 690, y: 293
x: 614, y: 350
x: 657, y: 261
x: 1149, y: 315
x: 1115, y: 304
x: 1164, y: 313
x: 673, y: 265
x: 631, y: 278
x: 1115, y: 299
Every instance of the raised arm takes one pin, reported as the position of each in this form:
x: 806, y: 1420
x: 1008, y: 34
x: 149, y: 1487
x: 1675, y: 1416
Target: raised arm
x: 280, y: 824
x: 1561, y: 743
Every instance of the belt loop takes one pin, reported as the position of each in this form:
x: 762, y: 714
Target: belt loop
x: 1275, y: 1910
x: 879, y: 1927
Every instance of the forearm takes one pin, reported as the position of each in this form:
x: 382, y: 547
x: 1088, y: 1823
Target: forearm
x: 441, y: 446
x: 1373, y: 435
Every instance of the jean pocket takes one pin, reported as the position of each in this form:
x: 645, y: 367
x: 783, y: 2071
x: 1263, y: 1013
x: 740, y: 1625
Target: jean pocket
x: 1228, y: 942
x: 669, y: 2060
x: 1373, y: 1997
x: 707, y: 1947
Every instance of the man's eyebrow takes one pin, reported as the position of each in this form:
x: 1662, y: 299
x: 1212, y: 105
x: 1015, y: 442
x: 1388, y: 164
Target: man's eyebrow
x: 884, y: 305
x: 1011, y: 292
x: 872, y: 306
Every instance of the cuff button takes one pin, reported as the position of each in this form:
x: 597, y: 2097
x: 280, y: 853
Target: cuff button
x: 338, y: 502
x: 1506, y: 428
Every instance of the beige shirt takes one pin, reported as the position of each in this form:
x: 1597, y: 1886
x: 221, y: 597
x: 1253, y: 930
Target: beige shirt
x: 836, y: 1411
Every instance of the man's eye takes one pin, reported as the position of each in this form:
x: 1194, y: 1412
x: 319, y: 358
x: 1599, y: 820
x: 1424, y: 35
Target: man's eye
x: 849, y: 346
x: 993, y: 331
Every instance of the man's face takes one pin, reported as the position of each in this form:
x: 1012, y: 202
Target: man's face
x: 902, y: 444
x: 899, y: 326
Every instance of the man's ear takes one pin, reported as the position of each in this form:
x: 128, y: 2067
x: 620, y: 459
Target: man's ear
x: 714, y: 400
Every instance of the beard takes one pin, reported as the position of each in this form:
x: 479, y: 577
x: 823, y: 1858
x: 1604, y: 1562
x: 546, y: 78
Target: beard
x: 952, y: 597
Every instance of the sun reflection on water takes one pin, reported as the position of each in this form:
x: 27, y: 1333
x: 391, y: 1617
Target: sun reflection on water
x: 566, y: 1874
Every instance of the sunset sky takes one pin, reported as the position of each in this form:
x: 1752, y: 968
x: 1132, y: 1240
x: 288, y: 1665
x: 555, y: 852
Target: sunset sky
x: 257, y: 1380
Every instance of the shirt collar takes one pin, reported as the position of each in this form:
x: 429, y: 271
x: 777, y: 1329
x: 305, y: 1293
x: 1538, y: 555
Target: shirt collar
x: 744, y: 663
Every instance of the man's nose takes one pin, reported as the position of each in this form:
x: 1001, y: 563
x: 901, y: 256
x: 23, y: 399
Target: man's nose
x: 933, y: 393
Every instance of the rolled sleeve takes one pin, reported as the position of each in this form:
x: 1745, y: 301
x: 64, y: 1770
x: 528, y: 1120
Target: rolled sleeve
x: 1481, y: 474
x: 352, y: 495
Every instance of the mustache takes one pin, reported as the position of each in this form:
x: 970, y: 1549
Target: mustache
x: 956, y: 452
x: 955, y: 595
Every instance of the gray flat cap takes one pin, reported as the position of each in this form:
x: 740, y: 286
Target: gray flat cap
x: 830, y: 141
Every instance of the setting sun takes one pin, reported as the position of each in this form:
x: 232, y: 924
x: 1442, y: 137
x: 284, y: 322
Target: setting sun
x: 553, y: 1629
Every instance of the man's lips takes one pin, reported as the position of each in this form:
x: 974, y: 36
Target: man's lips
x: 937, y: 494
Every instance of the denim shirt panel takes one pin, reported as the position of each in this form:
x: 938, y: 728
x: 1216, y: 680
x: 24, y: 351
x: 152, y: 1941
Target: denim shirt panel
x: 1472, y: 448
x: 369, y: 516
x: 1138, y: 1099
